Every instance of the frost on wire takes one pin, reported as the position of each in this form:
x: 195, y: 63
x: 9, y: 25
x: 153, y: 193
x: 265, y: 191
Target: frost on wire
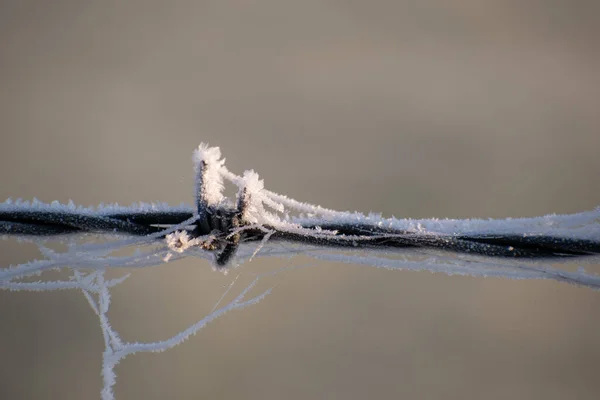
x: 255, y: 224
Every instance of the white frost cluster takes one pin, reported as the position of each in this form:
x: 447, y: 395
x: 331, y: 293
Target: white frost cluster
x: 264, y: 207
x: 180, y: 241
x: 209, y: 159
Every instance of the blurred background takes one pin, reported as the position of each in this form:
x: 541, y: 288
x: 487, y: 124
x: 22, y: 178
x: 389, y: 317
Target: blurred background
x: 486, y: 108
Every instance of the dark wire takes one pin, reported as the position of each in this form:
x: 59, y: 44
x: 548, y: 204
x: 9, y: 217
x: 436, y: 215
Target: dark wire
x: 221, y: 222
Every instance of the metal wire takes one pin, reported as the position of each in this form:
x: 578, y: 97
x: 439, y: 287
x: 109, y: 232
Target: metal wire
x: 222, y: 222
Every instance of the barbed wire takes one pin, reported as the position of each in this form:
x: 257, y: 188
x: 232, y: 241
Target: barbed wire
x: 229, y: 226
x: 25, y: 222
x: 218, y: 226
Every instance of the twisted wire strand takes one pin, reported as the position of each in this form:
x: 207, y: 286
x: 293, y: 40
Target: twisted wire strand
x: 48, y: 223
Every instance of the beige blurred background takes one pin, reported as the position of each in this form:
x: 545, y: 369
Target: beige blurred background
x: 469, y: 108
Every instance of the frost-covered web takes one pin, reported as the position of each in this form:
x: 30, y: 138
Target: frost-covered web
x: 261, y: 223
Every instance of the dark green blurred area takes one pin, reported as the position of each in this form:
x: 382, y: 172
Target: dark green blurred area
x: 459, y: 109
